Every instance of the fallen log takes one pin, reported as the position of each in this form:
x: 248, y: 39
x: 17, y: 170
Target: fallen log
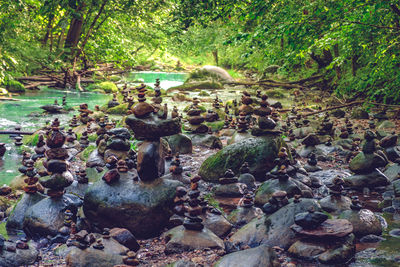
x: 7, y: 99
x: 16, y: 132
x: 268, y: 84
x: 332, y: 108
x: 33, y: 85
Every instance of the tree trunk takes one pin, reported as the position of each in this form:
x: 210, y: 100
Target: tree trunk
x: 336, y: 53
x: 215, y: 54
x: 91, y: 28
x: 75, y: 30
x: 354, y: 66
x: 48, y: 30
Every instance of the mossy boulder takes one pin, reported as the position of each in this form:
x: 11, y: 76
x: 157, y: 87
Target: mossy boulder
x: 118, y: 110
x: 190, y: 86
x: 259, y: 152
x: 108, y: 87
x: 14, y: 86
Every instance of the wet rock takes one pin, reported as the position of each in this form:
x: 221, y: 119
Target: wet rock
x: 306, y: 250
x: 150, y: 162
x: 291, y: 186
x: 253, y: 257
x: 217, y: 224
x: 364, y: 222
x: 45, y: 217
x: 230, y: 190
x: 392, y: 171
x: 335, y: 204
x: 125, y: 238
x: 95, y: 159
x: 179, y: 240
x: 395, y: 233
x: 16, y: 218
x: 273, y: 230
x: 328, y: 229
x: 149, y: 205
x: 19, y: 257
x: 244, y: 215
x: 258, y: 152
x: 371, y: 180
x: 206, y: 140
x: 180, y: 143
x: 153, y: 128
x: 339, y: 254
x: 366, y: 163
x: 310, y: 220
x: 371, y: 239
x: 92, y: 257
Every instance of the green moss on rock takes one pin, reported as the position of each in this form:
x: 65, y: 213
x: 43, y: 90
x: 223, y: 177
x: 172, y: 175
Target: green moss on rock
x: 118, y: 110
x: 14, y: 86
x: 258, y: 152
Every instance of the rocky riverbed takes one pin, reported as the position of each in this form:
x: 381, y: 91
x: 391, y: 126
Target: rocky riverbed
x: 154, y: 178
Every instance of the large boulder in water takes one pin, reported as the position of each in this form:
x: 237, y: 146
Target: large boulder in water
x: 222, y: 74
x: 254, y: 257
x: 259, y: 152
x: 142, y: 208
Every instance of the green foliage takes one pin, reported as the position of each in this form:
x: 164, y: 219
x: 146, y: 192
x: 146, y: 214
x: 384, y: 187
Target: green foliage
x: 14, y: 86
x: 118, y: 110
x: 30, y: 140
x: 85, y: 153
x: 108, y: 87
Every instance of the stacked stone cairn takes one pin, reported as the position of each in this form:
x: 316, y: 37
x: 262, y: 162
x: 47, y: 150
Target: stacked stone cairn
x: 113, y: 102
x: 230, y: 186
x: 3, y: 149
x: 84, y: 113
x: 246, y: 107
x: 149, y: 127
x: 56, y: 164
x: 74, y: 122
x: 31, y: 186
x: 192, y: 217
x: 246, y: 177
x: 40, y: 148
x: 179, y: 207
x: 195, y: 119
x: 332, y: 238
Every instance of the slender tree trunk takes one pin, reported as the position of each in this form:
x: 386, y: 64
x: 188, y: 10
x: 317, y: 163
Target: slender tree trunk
x: 215, y: 54
x: 354, y: 66
x: 91, y: 28
x: 336, y: 54
x: 48, y: 30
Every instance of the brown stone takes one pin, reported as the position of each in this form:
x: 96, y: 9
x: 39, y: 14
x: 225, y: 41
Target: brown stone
x: 57, y: 153
x: 142, y: 109
x: 111, y: 176
x: 196, y: 120
x: 329, y: 228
